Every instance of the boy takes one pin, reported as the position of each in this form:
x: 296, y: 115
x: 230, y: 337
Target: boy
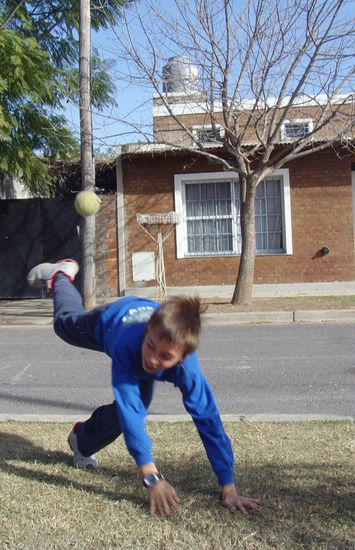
x: 147, y: 342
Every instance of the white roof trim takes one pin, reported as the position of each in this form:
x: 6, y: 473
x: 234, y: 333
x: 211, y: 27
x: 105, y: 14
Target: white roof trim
x: 198, y: 107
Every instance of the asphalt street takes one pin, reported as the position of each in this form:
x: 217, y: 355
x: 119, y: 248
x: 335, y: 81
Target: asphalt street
x: 253, y: 370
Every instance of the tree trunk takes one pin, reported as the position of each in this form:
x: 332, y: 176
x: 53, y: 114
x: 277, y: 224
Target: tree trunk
x: 87, y: 236
x: 243, y: 290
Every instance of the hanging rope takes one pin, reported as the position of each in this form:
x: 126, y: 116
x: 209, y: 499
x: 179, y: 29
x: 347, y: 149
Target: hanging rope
x: 148, y: 223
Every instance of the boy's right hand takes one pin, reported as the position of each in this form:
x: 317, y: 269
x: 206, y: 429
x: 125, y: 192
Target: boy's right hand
x: 162, y: 497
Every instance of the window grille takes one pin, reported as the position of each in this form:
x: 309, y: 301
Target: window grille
x: 268, y: 216
x: 212, y: 213
x: 295, y: 129
x: 206, y: 134
x: 209, y: 218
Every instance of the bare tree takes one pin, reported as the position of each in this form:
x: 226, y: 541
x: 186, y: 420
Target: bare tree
x: 260, y: 63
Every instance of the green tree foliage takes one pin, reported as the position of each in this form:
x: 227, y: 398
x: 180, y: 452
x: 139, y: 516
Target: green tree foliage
x: 29, y: 128
x: 38, y: 73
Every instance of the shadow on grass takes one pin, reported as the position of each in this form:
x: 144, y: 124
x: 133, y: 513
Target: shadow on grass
x: 17, y: 448
x: 302, y: 502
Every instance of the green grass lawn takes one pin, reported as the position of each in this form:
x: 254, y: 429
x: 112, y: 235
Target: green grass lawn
x: 302, y: 473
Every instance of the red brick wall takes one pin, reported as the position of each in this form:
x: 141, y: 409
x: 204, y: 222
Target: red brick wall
x: 106, y: 248
x: 168, y: 130
x: 322, y: 215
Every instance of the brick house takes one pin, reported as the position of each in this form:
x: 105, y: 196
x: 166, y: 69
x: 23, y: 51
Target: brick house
x: 305, y: 213
x: 312, y: 212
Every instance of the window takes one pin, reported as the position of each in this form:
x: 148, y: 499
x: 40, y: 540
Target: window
x: 209, y: 208
x: 206, y: 134
x: 209, y: 217
x: 268, y: 216
x: 297, y: 128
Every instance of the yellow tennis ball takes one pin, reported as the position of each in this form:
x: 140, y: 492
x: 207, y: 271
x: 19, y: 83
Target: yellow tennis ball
x: 87, y: 203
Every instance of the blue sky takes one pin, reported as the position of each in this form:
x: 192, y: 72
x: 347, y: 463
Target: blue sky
x: 107, y: 131
x: 134, y: 102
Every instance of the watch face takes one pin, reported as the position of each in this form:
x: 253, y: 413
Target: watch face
x: 152, y: 480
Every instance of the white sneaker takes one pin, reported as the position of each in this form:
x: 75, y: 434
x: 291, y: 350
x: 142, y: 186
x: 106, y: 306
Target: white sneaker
x: 79, y: 460
x: 45, y: 273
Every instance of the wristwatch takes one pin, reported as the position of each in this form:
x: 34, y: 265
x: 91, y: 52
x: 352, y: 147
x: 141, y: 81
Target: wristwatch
x: 151, y: 480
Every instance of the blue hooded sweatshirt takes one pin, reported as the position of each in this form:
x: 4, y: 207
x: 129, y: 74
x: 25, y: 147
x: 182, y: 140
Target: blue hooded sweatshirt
x: 120, y: 331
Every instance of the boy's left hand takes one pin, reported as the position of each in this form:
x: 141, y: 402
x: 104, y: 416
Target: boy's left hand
x: 233, y: 501
x: 162, y: 498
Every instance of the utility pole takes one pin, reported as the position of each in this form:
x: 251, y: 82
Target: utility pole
x: 87, y: 234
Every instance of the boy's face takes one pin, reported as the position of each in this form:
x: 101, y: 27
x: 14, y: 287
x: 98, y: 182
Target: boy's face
x: 158, y: 354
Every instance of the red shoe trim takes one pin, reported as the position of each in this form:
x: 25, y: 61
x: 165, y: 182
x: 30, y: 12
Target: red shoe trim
x: 75, y: 429
x: 50, y: 281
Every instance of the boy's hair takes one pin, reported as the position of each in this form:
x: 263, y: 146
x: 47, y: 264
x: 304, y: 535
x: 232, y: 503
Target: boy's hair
x: 179, y: 318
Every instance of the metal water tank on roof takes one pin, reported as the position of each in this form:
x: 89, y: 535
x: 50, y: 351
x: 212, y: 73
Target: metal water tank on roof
x: 180, y: 75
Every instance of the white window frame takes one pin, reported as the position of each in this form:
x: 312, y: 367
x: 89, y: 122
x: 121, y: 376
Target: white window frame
x: 179, y: 193
x: 300, y: 121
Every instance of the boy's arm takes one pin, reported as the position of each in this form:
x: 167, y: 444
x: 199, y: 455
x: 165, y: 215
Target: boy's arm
x: 131, y: 413
x: 200, y: 403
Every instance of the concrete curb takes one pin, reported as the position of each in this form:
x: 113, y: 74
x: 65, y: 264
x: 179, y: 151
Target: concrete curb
x: 213, y: 319
x: 245, y: 317
x: 281, y: 317
x: 324, y: 315
x: 39, y: 312
x: 71, y: 418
